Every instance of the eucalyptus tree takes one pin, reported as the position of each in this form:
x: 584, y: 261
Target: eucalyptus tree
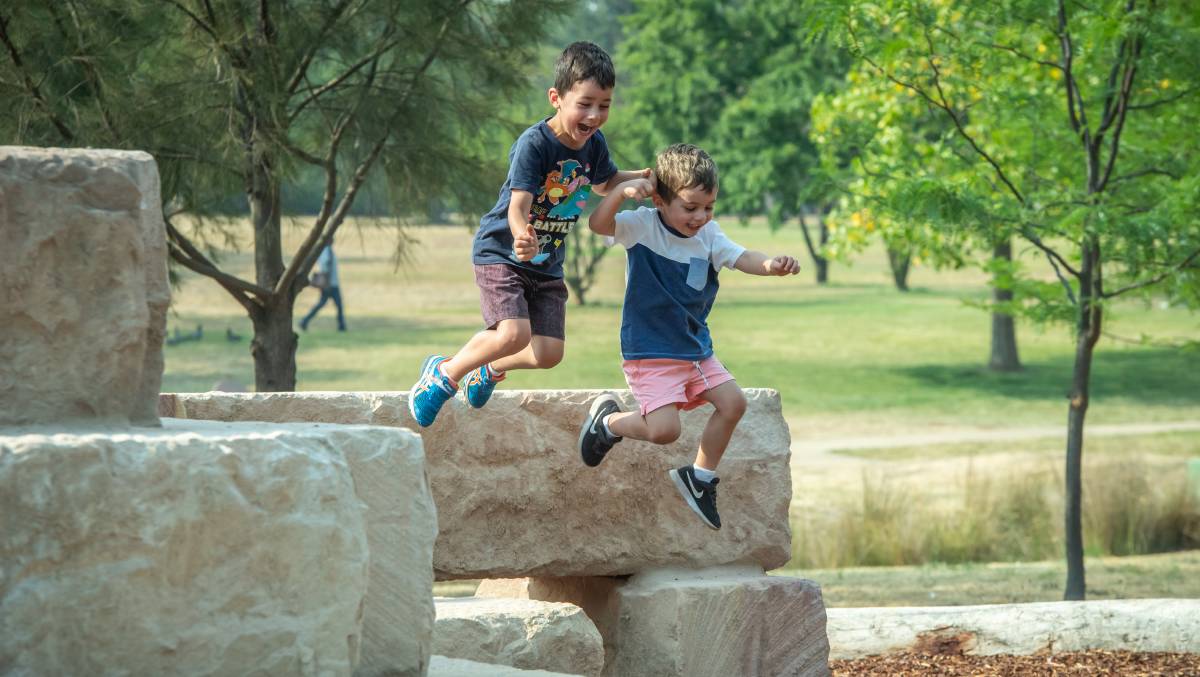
x: 238, y: 96
x: 1069, y: 123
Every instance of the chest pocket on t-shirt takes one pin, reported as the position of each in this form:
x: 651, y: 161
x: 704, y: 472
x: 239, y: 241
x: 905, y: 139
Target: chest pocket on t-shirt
x: 697, y: 273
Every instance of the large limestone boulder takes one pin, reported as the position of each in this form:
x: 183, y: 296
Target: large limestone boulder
x: 514, y: 499
x: 714, y: 622
x: 523, y: 633
x: 83, y: 285
x: 196, y: 548
x: 1021, y: 629
x: 388, y: 467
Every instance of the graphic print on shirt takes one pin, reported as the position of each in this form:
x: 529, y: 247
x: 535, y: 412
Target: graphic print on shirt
x: 557, y: 206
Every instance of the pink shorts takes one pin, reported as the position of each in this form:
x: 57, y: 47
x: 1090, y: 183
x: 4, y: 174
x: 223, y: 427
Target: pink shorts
x: 657, y: 383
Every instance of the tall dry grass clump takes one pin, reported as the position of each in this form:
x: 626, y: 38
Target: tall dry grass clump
x: 1130, y: 507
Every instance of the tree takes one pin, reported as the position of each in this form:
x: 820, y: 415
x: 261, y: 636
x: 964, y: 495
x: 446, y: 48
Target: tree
x: 740, y: 84
x: 1067, y: 122
x: 240, y: 96
x: 868, y: 133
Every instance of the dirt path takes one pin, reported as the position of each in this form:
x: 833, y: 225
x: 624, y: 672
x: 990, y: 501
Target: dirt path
x: 819, y: 474
x: 821, y: 450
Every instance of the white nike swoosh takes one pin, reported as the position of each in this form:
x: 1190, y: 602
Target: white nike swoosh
x: 692, y: 488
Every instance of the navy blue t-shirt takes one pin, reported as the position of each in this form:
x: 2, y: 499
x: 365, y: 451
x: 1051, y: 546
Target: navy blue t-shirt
x: 561, y: 180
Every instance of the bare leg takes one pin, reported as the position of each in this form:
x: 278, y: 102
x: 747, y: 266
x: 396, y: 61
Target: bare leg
x: 730, y: 405
x: 660, y: 426
x: 509, y: 337
x: 542, y: 352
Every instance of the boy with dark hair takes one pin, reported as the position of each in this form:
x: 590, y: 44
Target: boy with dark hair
x: 674, y: 252
x: 519, y: 249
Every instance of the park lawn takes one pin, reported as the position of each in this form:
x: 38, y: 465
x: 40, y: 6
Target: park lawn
x: 1140, y: 577
x: 854, y: 356
x: 1166, y: 575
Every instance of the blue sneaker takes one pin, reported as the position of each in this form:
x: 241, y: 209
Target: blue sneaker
x: 479, y: 386
x: 430, y: 392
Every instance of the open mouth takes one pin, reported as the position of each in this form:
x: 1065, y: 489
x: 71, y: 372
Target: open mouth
x: 584, y: 130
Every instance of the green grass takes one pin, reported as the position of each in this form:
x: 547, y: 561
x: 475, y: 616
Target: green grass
x: 1144, y: 577
x: 854, y: 355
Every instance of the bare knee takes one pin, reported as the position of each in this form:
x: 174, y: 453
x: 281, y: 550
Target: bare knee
x: 663, y: 432
x: 733, y: 408
x: 547, y: 354
x: 511, y: 337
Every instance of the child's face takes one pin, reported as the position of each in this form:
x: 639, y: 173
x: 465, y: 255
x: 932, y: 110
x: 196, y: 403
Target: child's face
x: 581, y: 111
x: 689, y: 210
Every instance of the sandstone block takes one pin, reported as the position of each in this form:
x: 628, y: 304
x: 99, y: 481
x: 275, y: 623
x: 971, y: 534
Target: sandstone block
x: 459, y: 667
x: 522, y: 633
x: 514, y: 499
x: 1020, y: 629
x: 388, y: 467
x: 197, y: 548
x: 83, y: 285
x: 720, y: 621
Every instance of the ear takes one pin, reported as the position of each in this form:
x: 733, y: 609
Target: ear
x: 555, y: 98
x: 659, y: 202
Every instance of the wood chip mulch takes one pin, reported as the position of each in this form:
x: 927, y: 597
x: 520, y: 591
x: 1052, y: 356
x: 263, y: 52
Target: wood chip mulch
x: 1099, y: 663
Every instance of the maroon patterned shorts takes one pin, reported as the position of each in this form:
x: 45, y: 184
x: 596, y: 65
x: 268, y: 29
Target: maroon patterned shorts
x: 507, y: 293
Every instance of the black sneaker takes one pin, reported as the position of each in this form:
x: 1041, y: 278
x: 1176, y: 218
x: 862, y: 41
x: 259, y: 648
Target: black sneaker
x: 594, y: 440
x: 701, y: 496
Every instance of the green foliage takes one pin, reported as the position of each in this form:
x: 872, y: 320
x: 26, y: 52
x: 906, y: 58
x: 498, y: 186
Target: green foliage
x: 737, y: 80
x: 956, y: 128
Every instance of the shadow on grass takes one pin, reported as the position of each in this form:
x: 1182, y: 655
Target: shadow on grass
x: 1151, y: 375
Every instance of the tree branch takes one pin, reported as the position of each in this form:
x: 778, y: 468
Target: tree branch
x: 63, y: 130
x: 1023, y: 55
x: 1160, y: 102
x: 1122, y: 112
x: 1156, y: 279
x: 318, y: 240
x: 186, y: 253
x: 335, y: 82
x: 314, y: 45
x: 1074, y: 98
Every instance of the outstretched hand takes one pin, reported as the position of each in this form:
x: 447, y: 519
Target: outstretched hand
x: 637, y: 189
x: 784, y: 265
x: 525, y: 247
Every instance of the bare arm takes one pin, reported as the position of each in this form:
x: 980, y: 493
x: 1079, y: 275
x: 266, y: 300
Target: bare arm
x: 524, y: 237
x: 603, y: 219
x: 758, y: 263
x: 622, y: 177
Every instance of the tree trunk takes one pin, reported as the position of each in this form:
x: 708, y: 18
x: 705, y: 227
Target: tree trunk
x: 1004, y: 332
x: 1087, y: 332
x: 820, y: 263
x: 274, y: 348
x: 274, y: 344
x: 899, y: 261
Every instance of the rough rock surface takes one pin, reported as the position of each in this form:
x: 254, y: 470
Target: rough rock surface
x: 1155, y: 625
x: 197, y: 548
x: 523, y: 633
x: 514, y: 499
x: 719, y: 621
x: 458, y: 667
x: 83, y: 286
x: 388, y: 467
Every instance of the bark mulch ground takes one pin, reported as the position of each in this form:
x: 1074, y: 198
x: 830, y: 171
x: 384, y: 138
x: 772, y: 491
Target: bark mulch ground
x: 1077, y: 664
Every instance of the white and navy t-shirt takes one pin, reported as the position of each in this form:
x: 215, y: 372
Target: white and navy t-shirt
x: 670, y: 285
